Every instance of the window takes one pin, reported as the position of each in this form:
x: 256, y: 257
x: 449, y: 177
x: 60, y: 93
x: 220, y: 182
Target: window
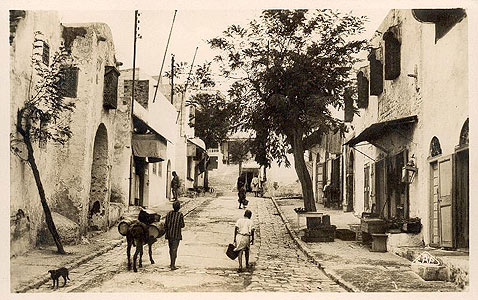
x: 69, y: 85
x: 45, y: 54
x: 110, y: 87
x: 155, y: 168
x: 464, y: 134
x: 362, y: 87
x: 376, y: 75
x: 435, y: 148
x: 160, y: 169
x: 392, y: 56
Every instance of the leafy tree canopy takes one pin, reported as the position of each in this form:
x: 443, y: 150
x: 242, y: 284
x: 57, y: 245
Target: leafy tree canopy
x: 290, y: 67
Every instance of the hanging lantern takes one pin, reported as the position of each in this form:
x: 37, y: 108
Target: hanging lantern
x: 408, y: 172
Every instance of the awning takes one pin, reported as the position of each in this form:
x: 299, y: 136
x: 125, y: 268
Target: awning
x: 378, y: 130
x: 198, y: 142
x: 150, y: 146
x: 250, y: 165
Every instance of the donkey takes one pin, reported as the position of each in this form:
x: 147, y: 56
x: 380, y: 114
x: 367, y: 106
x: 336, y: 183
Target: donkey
x: 138, y: 234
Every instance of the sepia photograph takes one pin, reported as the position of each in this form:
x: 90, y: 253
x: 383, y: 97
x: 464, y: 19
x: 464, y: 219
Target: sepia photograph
x: 236, y: 149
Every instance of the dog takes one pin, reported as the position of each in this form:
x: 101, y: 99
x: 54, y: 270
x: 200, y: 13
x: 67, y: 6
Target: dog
x: 138, y: 235
x: 55, y: 276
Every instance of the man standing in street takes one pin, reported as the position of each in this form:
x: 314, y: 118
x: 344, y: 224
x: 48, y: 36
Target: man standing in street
x: 175, y: 185
x: 244, y: 237
x: 173, y: 223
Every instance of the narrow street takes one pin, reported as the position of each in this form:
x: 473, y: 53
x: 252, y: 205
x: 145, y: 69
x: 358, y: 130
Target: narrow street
x: 203, y: 266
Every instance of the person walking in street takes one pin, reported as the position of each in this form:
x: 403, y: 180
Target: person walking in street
x: 242, y: 197
x: 255, y: 185
x: 244, y: 237
x: 173, y: 223
x: 241, y: 190
x: 175, y: 185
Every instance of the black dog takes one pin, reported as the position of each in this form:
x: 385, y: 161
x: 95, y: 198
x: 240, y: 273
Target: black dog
x: 138, y: 236
x: 55, y: 275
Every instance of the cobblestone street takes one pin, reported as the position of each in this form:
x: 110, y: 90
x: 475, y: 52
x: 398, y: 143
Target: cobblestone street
x: 277, y: 263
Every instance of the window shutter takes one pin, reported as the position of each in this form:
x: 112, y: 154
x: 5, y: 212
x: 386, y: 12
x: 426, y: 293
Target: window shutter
x: 69, y: 85
x: 376, y: 75
x: 362, y: 87
x: 110, y: 87
x: 349, y: 108
x: 46, y: 54
x: 392, y: 56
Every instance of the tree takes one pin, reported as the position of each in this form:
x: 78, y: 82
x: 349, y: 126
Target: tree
x: 239, y: 151
x: 289, y: 68
x: 43, y: 118
x: 213, y: 117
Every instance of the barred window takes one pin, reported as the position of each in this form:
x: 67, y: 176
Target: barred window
x: 464, y: 140
x: 435, y: 148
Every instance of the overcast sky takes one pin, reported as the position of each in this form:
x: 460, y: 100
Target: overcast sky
x: 191, y: 29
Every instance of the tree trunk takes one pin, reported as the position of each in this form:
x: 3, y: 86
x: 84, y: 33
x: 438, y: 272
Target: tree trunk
x: 41, y: 191
x: 206, y: 178
x: 303, y: 174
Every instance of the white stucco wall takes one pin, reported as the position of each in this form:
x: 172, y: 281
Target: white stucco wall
x: 65, y: 170
x: 437, y: 94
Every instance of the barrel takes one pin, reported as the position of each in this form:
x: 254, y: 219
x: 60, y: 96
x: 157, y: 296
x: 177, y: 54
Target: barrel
x: 156, y: 230
x: 123, y: 227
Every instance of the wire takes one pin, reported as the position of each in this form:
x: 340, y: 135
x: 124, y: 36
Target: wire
x: 164, y: 57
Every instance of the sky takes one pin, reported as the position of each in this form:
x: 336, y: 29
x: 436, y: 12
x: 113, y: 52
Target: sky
x: 192, y: 28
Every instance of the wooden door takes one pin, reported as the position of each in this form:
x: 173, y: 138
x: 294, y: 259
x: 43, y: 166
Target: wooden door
x: 434, y: 210
x: 462, y: 214
x: 445, y: 174
x: 320, y: 182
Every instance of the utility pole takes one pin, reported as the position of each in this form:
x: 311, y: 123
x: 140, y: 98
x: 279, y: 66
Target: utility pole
x: 172, y: 78
x: 136, y: 22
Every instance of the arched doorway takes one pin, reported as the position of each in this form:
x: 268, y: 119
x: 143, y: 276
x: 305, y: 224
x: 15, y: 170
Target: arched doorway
x: 168, y: 180
x: 350, y: 182
x: 99, y: 186
x: 462, y: 181
x: 441, y: 217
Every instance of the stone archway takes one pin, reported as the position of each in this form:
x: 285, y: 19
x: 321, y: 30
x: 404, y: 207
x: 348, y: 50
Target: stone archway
x: 99, y: 187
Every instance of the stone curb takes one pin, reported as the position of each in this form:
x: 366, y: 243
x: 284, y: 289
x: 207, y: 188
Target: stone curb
x: 304, y: 248
x: 36, y: 283
x: 39, y: 281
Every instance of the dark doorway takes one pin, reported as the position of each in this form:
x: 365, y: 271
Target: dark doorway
x: 462, y: 213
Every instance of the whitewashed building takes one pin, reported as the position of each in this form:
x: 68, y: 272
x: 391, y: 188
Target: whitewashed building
x: 407, y: 156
